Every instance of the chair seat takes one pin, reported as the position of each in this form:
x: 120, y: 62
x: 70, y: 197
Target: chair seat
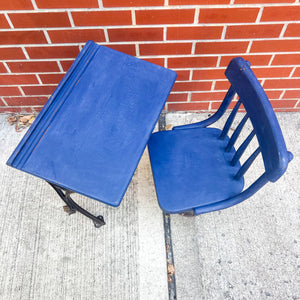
x: 191, y: 169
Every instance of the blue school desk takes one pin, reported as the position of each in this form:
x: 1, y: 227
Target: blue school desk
x: 92, y: 132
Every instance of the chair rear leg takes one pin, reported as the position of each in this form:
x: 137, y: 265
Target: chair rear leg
x: 189, y: 213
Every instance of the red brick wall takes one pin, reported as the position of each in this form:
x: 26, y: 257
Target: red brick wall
x: 39, y: 39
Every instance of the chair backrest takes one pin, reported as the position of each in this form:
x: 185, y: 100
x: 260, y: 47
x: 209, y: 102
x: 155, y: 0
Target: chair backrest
x: 260, y: 112
x: 265, y: 127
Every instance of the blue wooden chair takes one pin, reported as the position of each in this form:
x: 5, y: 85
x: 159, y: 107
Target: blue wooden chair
x: 196, y: 169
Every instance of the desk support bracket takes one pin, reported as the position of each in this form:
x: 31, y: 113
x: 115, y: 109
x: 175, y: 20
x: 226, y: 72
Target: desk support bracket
x: 71, y: 206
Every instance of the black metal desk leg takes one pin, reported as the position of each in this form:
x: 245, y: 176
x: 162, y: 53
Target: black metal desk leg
x: 71, y: 206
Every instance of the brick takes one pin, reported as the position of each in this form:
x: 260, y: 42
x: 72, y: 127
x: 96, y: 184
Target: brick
x: 293, y: 30
x: 53, y: 52
x: 20, y: 109
x: 216, y: 105
x: 165, y: 48
x: 38, y: 89
x: 228, y: 15
x: 66, y: 64
x: 286, y: 59
x: 3, y: 22
x: 125, y: 48
x: 194, y: 33
x: 283, y: 103
x: 281, y: 83
x: 102, y: 18
x: 281, y: 13
x: 198, y: 2
x: 51, y: 78
x: 37, y: 109
x: 192, y: 62
x: 297, y: 73
x: 166, y: 16
x: 2, y: 68
x: 209, y: 74
x: 188, y: 106
x: 11, y: 79
x: 15, y: 4
x: 208, y: 96
x: 221, y: 47
x: 276, y: 46
x: 22, y: 37
x: 183, y: 75
x: 11, y: 53
x: 40, y: 19
x: 135, y: 34
x: 33, y: 66
x: 133, y: 3
x: 268, y: 72
x: 76, y: 35
x: 156, y: 61
x: 9, y: 91
x: 253, y: 31
x: 177, y: 97
x: 255, y: 60
x: 273, y: 94
x: 262, y: 1
x: 192, y: 86
x: 25, y: 101
x: 291, y: 94
x: 222, y: 85
x: 67, y: 3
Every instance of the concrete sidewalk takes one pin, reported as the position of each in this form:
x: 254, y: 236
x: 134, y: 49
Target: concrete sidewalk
x: 250, y: 251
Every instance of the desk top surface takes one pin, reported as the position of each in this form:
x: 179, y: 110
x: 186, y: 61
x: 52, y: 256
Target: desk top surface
x: 92, y: 132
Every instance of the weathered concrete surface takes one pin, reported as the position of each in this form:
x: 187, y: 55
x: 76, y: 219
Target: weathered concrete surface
x: 249, y: 251
x: 46, y: 254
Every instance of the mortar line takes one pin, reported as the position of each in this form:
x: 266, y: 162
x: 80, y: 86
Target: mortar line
x: 6, y: 67
x: 71, y: 19
x: 133, y: 17
x: 168, y: 238
x: 8, y: 20
x: 4, y: 101
x: 283, y: 30
x: 34, y: 5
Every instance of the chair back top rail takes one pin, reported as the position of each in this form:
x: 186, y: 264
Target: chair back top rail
x: 259, y: 109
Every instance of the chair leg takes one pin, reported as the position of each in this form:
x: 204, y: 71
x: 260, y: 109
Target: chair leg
x: 71, y: 206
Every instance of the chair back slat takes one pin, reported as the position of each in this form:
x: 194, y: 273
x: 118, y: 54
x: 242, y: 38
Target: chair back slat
x: 242, y: 148
x: 265, y: 124
x: 236, y: 133
x: 230, y: 120
x: 243, y: 169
